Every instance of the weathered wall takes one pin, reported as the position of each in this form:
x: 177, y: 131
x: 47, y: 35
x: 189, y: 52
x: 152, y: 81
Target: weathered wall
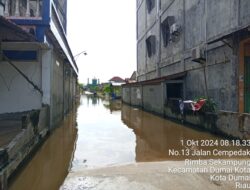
x: 57, y: 92
x: 17, y: 94
x: 153, y: 98
x: 126, y: 95
x: 226, y: 123
x: 234, y: 124
x: 136, y: 93
x: 46, y: 75
x: 201, y: 21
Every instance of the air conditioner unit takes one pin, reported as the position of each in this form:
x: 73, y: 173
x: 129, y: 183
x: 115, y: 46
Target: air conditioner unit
x: 198, y: 55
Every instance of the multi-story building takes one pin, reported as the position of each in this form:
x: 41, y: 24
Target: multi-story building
x: 202, y: 38
x: 188, y: 49
x: 47, y: 62
x: 38, y: 77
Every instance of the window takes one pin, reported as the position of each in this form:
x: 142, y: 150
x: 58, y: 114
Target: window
x: 165, y: 29
x: 151, y: 45
x: 150, y: 5
x: 174, y: 91
x: 17, y: 55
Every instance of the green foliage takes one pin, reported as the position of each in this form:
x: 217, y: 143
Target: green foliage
x: 209, y: 106
x: 107, y: 89
x: 81, y: 85
x: 93, y: 88
x: 117, y: 90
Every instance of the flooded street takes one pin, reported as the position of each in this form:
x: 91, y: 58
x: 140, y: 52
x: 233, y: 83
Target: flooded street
x: 100, y: 134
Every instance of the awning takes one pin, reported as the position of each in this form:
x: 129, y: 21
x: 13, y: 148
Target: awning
x: 158, y: 80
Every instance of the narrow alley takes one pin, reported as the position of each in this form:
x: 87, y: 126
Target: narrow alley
x: 112, y: 136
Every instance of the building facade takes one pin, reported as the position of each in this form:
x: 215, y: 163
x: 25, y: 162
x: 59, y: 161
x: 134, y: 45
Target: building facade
x: 202, y: 38
x: 191, y: 49
x: 38, y: 77
x: 47, y: 61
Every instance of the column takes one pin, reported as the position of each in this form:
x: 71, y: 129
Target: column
x: 6, y: 11
x: 37, y: 8
x: 17, y: 13
x: 28, y: 9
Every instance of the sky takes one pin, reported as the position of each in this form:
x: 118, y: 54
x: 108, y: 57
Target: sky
x: 106, y: 30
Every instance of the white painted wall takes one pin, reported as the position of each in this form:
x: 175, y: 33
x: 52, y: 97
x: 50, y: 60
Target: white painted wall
x: 16, y: 94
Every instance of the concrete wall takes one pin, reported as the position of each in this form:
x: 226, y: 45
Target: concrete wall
x: 126, y: 95
x: 201, y: 21
x: 153, y: 98
x: 63, y: 89
x: 137, y: 93
x: 148, y: 97
x: 226, y: 123
x: 57, y: 90
x: 46, y: 75
x: 17, y: 95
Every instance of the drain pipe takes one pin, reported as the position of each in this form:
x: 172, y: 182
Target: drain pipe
x: 205, y: 63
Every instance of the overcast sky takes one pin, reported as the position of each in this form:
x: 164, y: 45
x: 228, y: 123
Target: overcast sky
x: 106, y: 30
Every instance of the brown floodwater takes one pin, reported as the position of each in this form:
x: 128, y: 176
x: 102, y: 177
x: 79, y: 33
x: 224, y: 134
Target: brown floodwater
x: 49, y: 167
x: 107, y: 133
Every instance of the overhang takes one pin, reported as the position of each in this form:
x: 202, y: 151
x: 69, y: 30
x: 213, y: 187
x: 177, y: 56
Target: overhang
x: 158, y: 80
x: 61, y: 43
x: 234, y: 32
x: 10, y: 32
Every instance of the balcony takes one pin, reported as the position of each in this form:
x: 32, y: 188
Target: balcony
x: 23, y: 9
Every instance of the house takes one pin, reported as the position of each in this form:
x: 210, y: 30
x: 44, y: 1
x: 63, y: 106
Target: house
x: 132, y: 79
x: 192, y: 49
x: 116, y: 83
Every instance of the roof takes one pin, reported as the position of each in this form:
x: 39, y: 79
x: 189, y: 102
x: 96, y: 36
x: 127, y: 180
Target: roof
x: 158, y: 80
x: 117, y: 79
x: 133, y: 76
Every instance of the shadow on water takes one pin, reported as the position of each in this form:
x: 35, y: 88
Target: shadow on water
x: 155, y: 136
x: 107, y: 133
x: 49, y: 167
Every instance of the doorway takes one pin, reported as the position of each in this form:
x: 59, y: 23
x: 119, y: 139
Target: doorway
x: 244, y: 77
x: 247, y: 84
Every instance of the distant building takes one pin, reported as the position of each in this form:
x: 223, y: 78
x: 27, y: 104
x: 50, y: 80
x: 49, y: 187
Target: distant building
x: 115, y: 84
x: 94, y: 81
x: 132, y: 79
x: 117, y: 81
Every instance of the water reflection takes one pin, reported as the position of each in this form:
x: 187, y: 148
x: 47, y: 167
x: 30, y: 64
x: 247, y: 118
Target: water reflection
x: 49, y: 167
x: 92, y: 100
x: 106, y: 135
x: 155, y: 136
x: 103, y: 139
x: 112, y: 105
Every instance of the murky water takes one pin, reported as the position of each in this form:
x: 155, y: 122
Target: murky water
x: 107, y: 133
x: 49, y: 167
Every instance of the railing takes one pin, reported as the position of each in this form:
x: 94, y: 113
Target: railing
x: 23, y: 8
